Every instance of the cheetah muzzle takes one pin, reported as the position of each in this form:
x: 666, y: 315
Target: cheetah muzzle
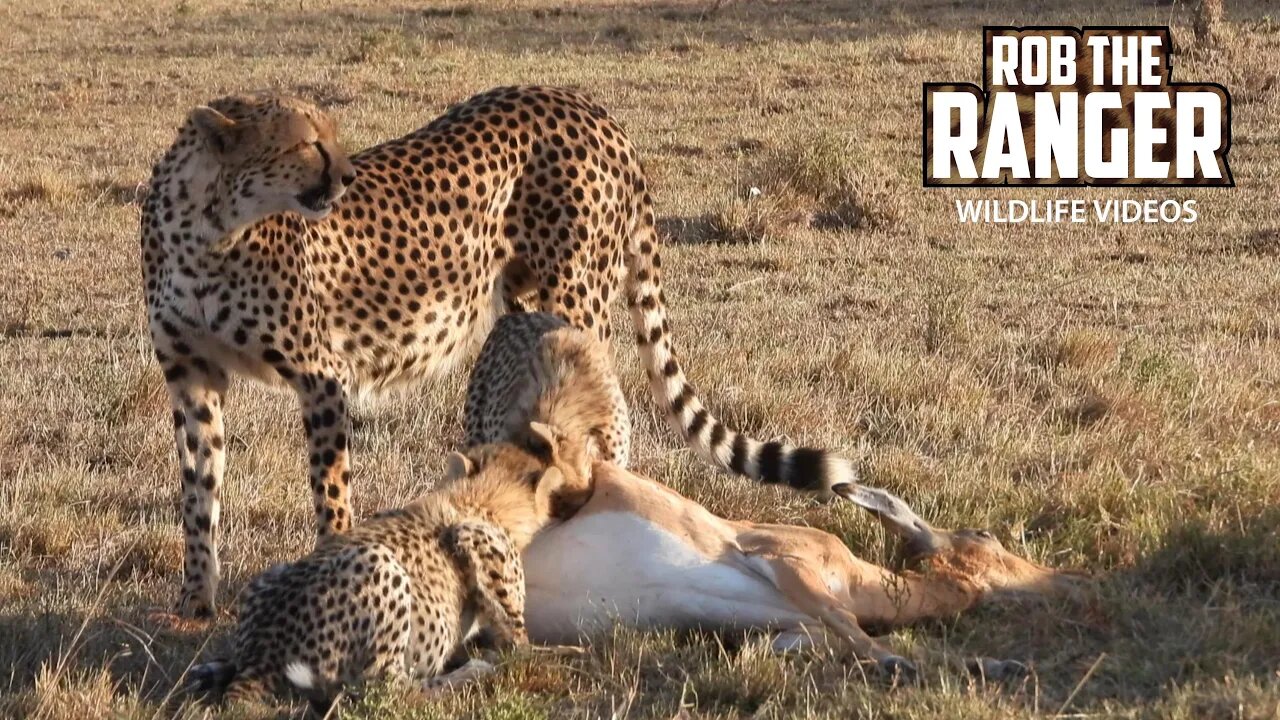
x: 318, y: 201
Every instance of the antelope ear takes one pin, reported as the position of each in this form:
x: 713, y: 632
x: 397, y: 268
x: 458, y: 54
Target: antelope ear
x: 220, y: 132
x: 458, y: 466
x: 540, y: 441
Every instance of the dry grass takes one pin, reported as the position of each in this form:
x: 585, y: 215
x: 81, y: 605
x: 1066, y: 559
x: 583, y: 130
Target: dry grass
x: 818, y: 180
x: 1209, y: 22
x: 1102, y: 397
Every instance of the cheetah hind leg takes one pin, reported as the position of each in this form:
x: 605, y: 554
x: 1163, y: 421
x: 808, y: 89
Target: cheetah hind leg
x: 385, y: 613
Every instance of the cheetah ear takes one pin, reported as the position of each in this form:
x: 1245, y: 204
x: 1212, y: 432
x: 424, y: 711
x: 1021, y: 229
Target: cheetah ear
x: 458, y: 466
x: 593, y: 447
x: 551, y: 480
x: 540, y: 441
x: 592, y: 452
x: 220, y: 132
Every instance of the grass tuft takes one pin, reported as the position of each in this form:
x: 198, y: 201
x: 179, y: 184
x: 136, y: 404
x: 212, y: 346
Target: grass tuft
x: 821, y: 181
x: 844, y: 185
x: 757, y: 216
x: 1208, y: 22
x: 948, y: 313
x: 1084, y: 349
x: 374, y: 46
x: 47, y: 187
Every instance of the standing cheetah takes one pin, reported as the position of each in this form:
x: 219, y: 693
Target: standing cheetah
x: 267, y: 251
x: 399, y: 593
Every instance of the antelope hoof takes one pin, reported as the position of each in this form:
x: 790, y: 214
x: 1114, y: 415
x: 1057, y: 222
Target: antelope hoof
x: 208, y: 675
x: 998, y: 670
x: 473, y: 670
x: 898, y: 669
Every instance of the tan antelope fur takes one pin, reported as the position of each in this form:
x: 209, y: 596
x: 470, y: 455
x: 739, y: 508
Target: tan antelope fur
x: 640, y: 554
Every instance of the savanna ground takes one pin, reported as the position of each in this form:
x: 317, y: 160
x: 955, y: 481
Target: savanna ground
x: 1105, y: 397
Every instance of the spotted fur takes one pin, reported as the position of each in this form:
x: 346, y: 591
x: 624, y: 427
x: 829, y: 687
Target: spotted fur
x: 398, y: 594
x: 537, y: 367
x: 266, y: 251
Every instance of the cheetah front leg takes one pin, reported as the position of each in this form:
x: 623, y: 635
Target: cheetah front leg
x: 492, y: 568
x: 328, y: 427
x: 614, y: 441
x: 196, y: 388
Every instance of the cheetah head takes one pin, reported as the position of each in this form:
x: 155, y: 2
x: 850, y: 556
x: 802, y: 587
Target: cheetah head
x: 269, y: 154
x: 539, y: 476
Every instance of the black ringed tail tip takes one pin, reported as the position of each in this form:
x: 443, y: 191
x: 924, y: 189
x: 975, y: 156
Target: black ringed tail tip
x: 774, y: 463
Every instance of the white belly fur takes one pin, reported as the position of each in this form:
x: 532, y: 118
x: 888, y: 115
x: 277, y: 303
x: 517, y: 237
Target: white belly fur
x: 599, y: 570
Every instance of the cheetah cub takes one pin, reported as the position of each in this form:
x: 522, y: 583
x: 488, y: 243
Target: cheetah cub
x: 400, y: 593
x: 537, y: 367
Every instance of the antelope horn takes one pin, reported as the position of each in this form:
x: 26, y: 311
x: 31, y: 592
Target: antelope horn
x: 895, y: 515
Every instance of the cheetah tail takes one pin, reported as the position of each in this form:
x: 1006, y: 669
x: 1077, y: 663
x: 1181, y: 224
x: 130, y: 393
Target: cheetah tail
x: 802, y: 468
x: 319, y: 692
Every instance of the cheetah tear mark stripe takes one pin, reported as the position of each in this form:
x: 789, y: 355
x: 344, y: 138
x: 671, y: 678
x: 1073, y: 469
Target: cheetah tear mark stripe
x: 801, y: 468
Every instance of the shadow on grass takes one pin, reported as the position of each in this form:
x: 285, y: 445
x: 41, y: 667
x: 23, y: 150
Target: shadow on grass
x: 143, y: 659
x: 1205, y: 605
x: 685, y: 230
x: 23, y: 331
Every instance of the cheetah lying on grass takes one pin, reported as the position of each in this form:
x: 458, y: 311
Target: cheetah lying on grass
x: 399, y: 593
